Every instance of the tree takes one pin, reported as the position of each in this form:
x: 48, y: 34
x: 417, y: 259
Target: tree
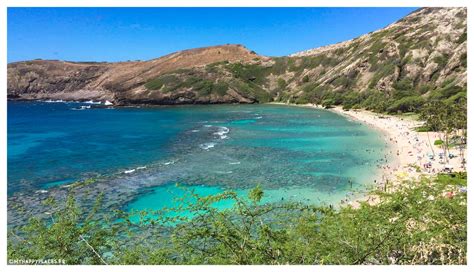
x: 460, y: 122
x: 412, y: 224
x: 446, y: 118
x: 68, y: 234
x: 406, y: 104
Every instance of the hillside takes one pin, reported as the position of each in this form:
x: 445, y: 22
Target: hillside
x: 398, y: 68
x: 424, y: 54
x: 50, y: 79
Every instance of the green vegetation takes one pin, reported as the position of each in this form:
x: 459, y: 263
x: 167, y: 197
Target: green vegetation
x: 185, y: 79
x: 392, y: 88
x: 404, y: 98
x: 382, y: 72
x: 464, y: 60
x: 422, y: 129
x: 406, y: 104
x: 157, y: 83
x: 305, y: 79
x: 441, y: 60
x: 438, y: 142
x: 462, y: 38
x: 450, y: 118
x: 251, y: 89
x: 249, y: 72
x: 281, y: 84
x: 251, y: 81
x: 422, y: 222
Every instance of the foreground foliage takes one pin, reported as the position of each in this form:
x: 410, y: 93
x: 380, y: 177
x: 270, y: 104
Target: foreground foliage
x: 422, y: 222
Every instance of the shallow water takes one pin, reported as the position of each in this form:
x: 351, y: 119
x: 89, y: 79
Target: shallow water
x: 294, y: 153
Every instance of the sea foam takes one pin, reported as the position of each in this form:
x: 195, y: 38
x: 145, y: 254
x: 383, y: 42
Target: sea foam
x: 54, y: 101
x: 221, y: 132
x: 82, y: 108
x: 207, y: 146
x: 93, y: 102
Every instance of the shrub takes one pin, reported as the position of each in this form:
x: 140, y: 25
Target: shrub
x: 249, y: 72
x: 158, y: 82
x: 406, y: 104
x: 281, y: 84
x: 327, y: 103
x: 220, y: 88
x: 204, y: 87
x: 463, y: 59
x: 462, y: 38
x: 422, y: 129
x: 413, y: 224
x: 441, y: 60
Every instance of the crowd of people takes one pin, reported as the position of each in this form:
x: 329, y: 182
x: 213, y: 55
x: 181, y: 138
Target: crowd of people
x: 409, y: 153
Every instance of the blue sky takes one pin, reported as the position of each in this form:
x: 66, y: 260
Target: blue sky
x: 119, y: 34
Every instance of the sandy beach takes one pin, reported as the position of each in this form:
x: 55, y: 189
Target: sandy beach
x: 412, y: 147
x: 413, y: 154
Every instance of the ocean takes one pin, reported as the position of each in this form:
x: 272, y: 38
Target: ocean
x: 294, y: 153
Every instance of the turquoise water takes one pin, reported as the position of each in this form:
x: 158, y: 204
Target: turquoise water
x: 293, y: 153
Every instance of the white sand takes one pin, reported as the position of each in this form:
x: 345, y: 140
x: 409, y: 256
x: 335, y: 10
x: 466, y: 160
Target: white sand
x: 413, y: 147
x: 411, y: 150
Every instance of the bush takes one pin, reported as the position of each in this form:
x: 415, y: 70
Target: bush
x: 447, y: 90
x: 220, y: 88
x: 302, y: 100
x: 203, y: 87
x: 249, y: 72
x: 463, y: 59
x: 281, y: 84
x: 406, y: 84
x: 250, y: 89
x: 327, y: 103
x: 414, y: 224
x: 462, y: 38
x: 441, y: 60
x: 158, y: 82
x: 423, y: 129
x: 69, y: 234
x: 406, y: 104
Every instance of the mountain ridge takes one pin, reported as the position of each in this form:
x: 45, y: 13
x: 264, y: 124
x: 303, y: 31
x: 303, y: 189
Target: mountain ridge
x: 420, y: 56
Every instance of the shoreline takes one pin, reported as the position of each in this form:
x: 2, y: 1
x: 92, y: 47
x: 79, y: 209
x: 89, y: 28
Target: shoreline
x: 409, y: 150
x: 406, y: 151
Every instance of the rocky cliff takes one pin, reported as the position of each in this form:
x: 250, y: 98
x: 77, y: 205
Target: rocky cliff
x: 421, y: 56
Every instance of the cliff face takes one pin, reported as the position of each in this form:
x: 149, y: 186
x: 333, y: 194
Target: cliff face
x: 417, y: 56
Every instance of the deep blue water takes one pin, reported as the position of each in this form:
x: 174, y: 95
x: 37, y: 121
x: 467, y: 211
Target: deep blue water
x: 299, y: 153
